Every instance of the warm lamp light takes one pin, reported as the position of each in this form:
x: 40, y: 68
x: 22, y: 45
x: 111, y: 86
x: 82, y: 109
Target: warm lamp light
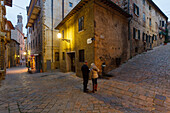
x: 24, y: 53
x: 59, y: 35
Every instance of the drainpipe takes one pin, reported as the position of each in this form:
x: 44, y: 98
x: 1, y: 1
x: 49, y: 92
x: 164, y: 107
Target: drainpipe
x: 62, y: 9
x: 52, y: 26
x: 129, y: 29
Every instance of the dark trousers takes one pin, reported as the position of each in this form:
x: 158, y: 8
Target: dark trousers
x: 85, y: 82
x: 94, y: 81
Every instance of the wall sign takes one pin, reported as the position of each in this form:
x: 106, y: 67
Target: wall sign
x: 89, y: 41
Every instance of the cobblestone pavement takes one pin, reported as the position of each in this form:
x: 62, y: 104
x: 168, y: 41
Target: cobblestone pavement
x: 142, y: 85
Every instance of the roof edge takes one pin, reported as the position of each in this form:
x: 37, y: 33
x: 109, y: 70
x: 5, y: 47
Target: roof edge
x: 151, y: 2
x: 78, y: 7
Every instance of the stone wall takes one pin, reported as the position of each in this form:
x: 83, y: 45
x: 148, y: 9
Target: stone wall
x: 111, y: 37
x: 137, y: 22
x: 78, y: 40
x: 57, y: 18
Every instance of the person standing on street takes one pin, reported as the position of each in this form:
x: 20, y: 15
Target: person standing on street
x: 85, y: 71
x: 95, y: 75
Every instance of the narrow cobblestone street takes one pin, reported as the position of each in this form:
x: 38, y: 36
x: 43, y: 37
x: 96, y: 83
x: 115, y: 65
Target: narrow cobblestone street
x: 142, y: 85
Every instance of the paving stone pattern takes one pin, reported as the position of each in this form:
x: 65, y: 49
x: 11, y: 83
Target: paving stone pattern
x: 142, y: 85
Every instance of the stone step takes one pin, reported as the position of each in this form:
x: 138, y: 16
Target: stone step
x: 135, y: 95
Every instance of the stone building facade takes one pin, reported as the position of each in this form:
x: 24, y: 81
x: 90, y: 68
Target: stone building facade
x: 43, y: 43
x: 95, y: 31
x: 147, y: 27
x: 4, y: 35
x: 14, y: 53
x: 18, y: 35
x: 8, y: 28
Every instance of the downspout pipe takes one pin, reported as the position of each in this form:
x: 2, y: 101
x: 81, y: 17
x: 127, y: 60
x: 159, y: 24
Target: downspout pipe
x: 129, y: 29
x: 52, y: 26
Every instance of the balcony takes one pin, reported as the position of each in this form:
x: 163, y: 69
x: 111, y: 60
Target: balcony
x: 33, y: 12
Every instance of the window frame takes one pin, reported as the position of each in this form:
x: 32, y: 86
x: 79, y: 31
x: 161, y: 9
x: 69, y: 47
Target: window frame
x: 136, y: 34
x: 163, y: 24
x: 63, y: 55
x: 63, y: 34
x: 81, y: 24
x: 150, y: 22
x: 81, y: 55
x: 150, y: 8
x: 57, y: 58
x: 144, y: 17
x: 136, y: 9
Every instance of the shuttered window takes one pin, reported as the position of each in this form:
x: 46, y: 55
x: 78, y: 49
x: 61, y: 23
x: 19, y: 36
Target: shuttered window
x: 81, y: 23
x: 136, y: 9
x: 81, y: 55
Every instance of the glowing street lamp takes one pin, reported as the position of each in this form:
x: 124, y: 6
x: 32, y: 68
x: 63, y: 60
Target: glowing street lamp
x: 59, y: 35
x: 24, y: 53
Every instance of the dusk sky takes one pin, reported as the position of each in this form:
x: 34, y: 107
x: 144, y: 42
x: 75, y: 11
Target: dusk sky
x: 19, y: 6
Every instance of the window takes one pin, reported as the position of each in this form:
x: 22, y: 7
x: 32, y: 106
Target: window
x: 144, y: 17
x: 155, y: 37
x: 143, y: 2
x: 150, y: 7
x: 63, y: 56
x: 81, y: 23
x: 70, y: 4
x: 33, y: 43
x: 163, y: 24
x: 56, y: 56
x: 139, y: 34
x: 136, y: 9
x: 152, y: 38
x: 160, y: 24
x: 81, y: 55
x: 63, y: 34
x: 143, y: 37
x: 150, y: 22
x: 36, y: 42
x: 136, y: 33
x: 146, y: 38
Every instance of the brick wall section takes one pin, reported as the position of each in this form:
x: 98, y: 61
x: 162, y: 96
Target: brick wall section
x: 111, y: 37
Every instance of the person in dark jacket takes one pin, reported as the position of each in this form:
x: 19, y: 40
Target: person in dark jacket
x: 85, y: 71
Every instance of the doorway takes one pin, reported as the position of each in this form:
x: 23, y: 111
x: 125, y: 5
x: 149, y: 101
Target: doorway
x: 48, y: 65
x: 71, y: 61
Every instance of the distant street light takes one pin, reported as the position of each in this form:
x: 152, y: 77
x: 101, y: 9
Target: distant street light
x: 59, y: 35
x: 24, y: 53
